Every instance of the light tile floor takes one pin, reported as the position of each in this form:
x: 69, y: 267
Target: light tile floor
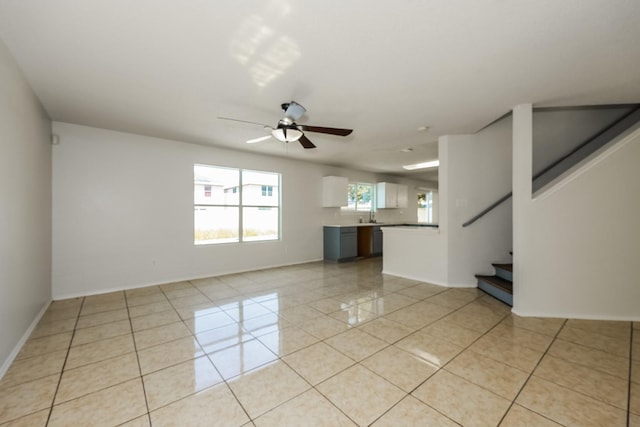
x: 317, y: 345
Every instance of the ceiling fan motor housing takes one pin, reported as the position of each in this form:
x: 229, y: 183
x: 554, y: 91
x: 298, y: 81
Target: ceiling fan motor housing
x: 293, y: 110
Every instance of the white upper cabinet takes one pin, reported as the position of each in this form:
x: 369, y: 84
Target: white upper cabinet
x: 390, y: 195
x: 335, y: 190
x: 387, y: 195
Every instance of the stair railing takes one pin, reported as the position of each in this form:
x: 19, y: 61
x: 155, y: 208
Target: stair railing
x: 551, y: 166
x: 488, y: 209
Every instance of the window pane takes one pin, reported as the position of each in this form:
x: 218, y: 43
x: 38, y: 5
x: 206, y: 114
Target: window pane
x: 365, y: 196
x: 215, y: 186
x: 260, y: 188
x: 260, y: 224
x: 215, y: 224
x: 352, y: 196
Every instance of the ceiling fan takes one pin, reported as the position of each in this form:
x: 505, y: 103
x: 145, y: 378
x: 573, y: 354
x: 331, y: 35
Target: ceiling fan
x: 288, y: 131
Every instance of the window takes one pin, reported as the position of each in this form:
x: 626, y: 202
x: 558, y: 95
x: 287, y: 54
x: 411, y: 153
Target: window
x: 425, y: 207
x: 236, y: 209
x: 360, y: 197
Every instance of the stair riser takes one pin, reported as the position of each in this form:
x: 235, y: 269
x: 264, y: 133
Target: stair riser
x: 504, y: 274
x: 496, y: 292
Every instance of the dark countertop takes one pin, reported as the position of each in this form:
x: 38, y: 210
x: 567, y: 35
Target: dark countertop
x: 383, y: 224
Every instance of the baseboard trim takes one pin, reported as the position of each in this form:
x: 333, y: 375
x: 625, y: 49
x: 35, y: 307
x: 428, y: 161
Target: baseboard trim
x: 14, y: 353
x: 580, y: 316
x: 433, y: 282
x: 62, y: 296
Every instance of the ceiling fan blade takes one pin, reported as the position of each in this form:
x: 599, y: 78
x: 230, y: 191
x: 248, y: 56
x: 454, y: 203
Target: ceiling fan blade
x: 320, y: 129
x: 304, y: 141
x: 245, y: 121
x: 259, y: 139
x: 293, y: 110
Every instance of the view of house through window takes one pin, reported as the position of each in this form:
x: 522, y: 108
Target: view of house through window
x: 425, y: 207
x: 235, y: 205
x: 360, y: 197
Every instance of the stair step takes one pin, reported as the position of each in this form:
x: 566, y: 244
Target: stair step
x: 498, y: 282
x: 507, y: 267
x: 504, y: 271
x: 497, y: 287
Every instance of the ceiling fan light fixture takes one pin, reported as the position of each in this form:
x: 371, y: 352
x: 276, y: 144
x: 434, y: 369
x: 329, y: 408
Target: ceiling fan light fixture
x: 287, y: 134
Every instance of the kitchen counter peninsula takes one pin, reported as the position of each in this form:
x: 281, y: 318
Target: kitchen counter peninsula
x: 415, y: 252
x: 362, y: 240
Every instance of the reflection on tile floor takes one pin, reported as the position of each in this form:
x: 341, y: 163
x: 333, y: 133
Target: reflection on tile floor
x: 319, y: 345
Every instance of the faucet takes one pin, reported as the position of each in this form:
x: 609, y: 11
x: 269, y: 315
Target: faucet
x: 372, y: 219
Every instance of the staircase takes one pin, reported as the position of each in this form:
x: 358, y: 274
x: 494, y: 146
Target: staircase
x: 500, y: 285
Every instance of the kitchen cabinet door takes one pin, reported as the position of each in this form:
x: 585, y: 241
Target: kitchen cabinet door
x: 387, y: 195
x: 376, y: 246
x: 340, y: 243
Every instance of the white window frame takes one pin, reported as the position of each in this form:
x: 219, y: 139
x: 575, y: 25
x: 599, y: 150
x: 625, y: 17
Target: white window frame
x: 355, y: 208
x: 240, y: 205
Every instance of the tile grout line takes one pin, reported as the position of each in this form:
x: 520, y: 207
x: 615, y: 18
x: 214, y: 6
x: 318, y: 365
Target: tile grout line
x: 558, y: 338
x: 410, y: 393
x: 135, y: 349
x: 312, y: 387
x: 280, y: 358
x: 66, y: 357
x: 513, y: 401
x: 95, y: 362
x: 454, y: 357
x: 193, y: 334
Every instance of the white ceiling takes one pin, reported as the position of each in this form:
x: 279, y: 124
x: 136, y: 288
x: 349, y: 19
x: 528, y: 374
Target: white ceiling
x: 168, y: 68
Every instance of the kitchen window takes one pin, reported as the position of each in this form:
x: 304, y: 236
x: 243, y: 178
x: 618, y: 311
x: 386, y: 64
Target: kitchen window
x: 426, y: 207
x: 237, y: 209
x: 360, y: 197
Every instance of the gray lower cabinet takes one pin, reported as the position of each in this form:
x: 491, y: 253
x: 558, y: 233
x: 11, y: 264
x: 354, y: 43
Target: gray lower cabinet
x: 376, y: 246
x: 340, y: 243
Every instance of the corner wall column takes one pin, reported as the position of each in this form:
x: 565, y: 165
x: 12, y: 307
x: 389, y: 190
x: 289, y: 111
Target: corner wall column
x: 522, y: 186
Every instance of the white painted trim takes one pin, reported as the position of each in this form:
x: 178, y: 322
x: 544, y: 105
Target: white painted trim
x: 574, y: 316
x: 432, y: 282
x: 14, y: 353
x: 127, y: 288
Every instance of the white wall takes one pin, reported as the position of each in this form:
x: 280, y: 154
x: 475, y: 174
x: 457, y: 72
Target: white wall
x: 475, y: 172
x: 557, y: 131
x: 123, y: 211
x: 577, y: 245
x: 25, y: 216
x: 417, y: 253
